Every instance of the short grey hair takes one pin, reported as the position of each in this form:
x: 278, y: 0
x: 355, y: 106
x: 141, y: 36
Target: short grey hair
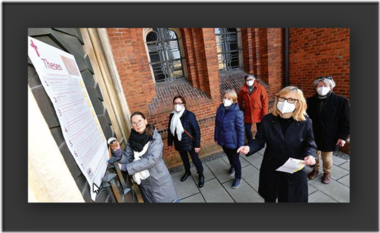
x: 249, y: 75
x: 326, y: 80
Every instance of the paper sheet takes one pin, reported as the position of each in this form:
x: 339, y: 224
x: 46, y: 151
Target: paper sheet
x: 291, y: 166
x: 60, y: 76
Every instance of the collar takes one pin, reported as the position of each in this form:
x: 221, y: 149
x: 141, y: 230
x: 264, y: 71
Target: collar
x: 255, y: 85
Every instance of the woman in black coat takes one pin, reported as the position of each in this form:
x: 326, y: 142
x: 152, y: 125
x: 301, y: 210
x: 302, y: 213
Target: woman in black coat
x: 184, y: 130
x: 331, y: 124
x: 287, y: 133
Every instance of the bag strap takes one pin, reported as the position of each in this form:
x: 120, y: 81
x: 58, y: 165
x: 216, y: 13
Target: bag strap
x: 188, y: 134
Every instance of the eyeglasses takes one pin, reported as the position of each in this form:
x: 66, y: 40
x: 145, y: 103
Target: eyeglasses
x: 251, y: 79
x: 289, y: 100
x: 325, y: 77
x: 137, y: 123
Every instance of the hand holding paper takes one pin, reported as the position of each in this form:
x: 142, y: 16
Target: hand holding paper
x: 291, y: 166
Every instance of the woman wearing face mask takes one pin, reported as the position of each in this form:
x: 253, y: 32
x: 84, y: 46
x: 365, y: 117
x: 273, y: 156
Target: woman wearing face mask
x: 142, y: 159
x: 253, y: 99
x: 229, y: 132
x: 331, y: 123
x: 183, y: 129
x: 287, y: 132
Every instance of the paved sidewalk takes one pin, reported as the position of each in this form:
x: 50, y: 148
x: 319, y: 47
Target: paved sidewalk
x: 218, y: 184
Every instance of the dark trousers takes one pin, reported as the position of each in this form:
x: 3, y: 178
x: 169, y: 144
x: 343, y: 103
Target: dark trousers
x: 234, y: 159
x: 248, y: 132
x: 194, y: 157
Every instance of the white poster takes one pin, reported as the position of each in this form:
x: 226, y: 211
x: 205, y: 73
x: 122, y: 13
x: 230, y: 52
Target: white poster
x: 61, y: 78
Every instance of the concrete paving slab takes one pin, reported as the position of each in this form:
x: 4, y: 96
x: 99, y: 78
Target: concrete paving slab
x: 194, y: 199
x: 255, y: 160
x: 213, y: 191
x: 261, y: 151
x: 244, y: 193
x: 251, y: 176
x: 186, y: 188
x: 311, y: 189
x: 220, y: 169
x: 243, y: 162
x: 345, y: 166
x: 335, y: 190
x: 206, y: 172
x: 345, y: 180
x: 319, y: 197
x: 337, y: 172
x: 338, y: 161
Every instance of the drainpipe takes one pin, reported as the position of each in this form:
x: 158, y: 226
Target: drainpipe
x: 285, y: 40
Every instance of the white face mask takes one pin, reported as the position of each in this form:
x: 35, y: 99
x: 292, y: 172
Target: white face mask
x: 227, y: 102
x: 178, y: 107
x: 285, y: 107
x: 322, y: 91
x: 250, y: 83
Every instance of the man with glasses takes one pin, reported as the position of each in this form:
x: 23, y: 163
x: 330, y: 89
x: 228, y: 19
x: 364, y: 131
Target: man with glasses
x: 331, y: 123
x: 253, y: 100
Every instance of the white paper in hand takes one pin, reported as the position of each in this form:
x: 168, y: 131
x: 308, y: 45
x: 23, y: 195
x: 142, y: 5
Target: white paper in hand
x: 291, y: 166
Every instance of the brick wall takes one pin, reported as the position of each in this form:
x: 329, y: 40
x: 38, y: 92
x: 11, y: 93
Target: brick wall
x: 262, y: 52
x: 318, y: 52
x: 131, y: 60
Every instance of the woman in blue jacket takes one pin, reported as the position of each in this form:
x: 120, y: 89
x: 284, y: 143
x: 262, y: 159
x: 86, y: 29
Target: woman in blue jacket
x: 229, y: 132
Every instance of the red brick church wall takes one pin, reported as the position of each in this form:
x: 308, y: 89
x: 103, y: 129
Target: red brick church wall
x: 318, y: 52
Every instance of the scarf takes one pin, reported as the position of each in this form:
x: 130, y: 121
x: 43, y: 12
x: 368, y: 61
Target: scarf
x: 137, y: 141
x: 141, y: 175
x: 176, y: 125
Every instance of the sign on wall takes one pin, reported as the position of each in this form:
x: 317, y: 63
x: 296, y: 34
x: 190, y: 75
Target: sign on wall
x: 61, y: 78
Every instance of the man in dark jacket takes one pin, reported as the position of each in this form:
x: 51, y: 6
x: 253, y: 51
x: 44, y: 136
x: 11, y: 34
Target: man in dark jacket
x: 331, y: 123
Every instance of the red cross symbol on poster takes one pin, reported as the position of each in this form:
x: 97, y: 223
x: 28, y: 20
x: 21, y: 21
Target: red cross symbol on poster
x: 35, y: 47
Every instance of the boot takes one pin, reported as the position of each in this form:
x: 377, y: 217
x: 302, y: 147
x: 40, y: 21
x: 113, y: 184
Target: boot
x: 312, y: 174
x: 201, y: 180
x: 184, y: 177
x: 326, y: 179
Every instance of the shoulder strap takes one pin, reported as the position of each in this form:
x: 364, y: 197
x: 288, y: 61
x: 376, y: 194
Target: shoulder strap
x: 188, y: 134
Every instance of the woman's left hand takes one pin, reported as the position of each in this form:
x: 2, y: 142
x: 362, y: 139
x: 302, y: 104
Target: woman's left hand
x: 309, y: 160
x: 341, y: 142
x: 197, y: 150
x: 243, y: 150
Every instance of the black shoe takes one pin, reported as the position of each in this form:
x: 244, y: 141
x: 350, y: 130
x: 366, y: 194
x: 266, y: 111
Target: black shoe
x: 236, y: 184
x: 201, y: 181
x: 231, y: 172
x: 184, y: 177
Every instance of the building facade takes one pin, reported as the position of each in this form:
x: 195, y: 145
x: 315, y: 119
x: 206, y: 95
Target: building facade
x: 155, y: 64
x: 142, y: 69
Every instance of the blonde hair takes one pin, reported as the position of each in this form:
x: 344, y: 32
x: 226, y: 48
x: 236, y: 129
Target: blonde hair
x: 231, y: 94
x: 296, y: 93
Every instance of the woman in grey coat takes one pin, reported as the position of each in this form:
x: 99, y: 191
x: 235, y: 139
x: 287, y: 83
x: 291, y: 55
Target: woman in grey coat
x: 142, y: 159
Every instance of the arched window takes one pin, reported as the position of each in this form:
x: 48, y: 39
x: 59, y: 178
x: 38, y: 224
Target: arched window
x: 227, y: 48
x: 165, y: 55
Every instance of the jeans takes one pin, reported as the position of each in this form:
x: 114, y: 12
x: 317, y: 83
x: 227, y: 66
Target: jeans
x: 194, y: 157
x: 234, y: 159
x: 248, y: 131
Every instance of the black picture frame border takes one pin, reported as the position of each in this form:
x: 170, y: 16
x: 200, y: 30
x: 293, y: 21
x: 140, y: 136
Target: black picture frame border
x: 361, y: 18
